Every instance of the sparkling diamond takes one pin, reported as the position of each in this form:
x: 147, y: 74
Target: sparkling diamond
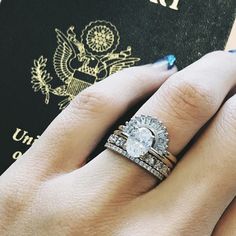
x: 149, y: 168
x: 159, y: 165
x: 139, y: 142
x: 154, y: 126
x: 112, y: 138
x: 165, y: 169
x: 151, y: 160
x: 119, y: 142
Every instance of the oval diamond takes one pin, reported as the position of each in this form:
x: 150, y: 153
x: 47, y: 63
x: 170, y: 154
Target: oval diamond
x: 139, y: 142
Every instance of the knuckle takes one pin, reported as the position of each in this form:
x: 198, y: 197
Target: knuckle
x: 90, y: 101
x: 189, y: 100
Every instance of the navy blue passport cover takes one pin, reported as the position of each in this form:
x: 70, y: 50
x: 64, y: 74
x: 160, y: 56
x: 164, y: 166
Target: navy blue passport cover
x: 52, y: 50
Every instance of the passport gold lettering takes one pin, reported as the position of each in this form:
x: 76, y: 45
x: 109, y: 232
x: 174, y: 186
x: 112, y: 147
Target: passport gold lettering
x: 16, y: 155
x: 173, y: 5
x: 23, y: 137
x: 19, y: 134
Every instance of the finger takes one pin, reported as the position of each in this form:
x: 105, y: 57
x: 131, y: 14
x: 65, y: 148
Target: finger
x: 204, y: 181
x: 184, y: 103
x: 226, y: 226
x: 70, y: 138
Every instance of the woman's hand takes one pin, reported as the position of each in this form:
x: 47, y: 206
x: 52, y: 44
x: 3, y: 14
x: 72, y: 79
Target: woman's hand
x: 51, y: 191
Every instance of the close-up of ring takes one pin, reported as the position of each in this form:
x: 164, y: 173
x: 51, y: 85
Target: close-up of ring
x: 144, y: 140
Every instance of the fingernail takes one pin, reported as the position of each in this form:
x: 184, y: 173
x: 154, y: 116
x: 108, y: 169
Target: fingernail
x: 232, y: 51
x: 168, y: 60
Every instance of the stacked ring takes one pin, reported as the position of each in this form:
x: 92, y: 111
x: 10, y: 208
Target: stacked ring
x: 144, y: 140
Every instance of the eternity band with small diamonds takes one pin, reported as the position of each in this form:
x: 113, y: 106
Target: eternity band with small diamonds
x: 144, y: 140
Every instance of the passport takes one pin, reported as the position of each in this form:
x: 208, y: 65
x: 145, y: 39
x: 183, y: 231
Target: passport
x: 51, y: 50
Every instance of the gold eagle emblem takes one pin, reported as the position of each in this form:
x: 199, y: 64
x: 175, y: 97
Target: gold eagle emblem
x: 79, y: 63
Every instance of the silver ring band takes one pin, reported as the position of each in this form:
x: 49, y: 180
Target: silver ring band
x: 152, y: 151
x: 141, y: 163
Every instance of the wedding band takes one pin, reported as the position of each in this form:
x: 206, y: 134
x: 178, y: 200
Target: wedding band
x: 151, y: 151
x: 148, y: 161
x: 144, y: 140
x: 138, y: 161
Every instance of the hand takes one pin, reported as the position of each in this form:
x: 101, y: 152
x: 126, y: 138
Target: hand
x: 51, y: 191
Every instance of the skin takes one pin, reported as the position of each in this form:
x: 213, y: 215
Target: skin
x: 51, y: 191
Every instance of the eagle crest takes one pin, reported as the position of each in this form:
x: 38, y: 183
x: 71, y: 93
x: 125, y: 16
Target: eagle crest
x: 81, y: 62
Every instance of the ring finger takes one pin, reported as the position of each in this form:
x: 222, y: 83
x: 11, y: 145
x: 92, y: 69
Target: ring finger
x: 185, y: 103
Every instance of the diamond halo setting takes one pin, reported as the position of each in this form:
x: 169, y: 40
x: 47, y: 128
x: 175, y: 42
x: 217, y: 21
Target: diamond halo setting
x: 144, y: 132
